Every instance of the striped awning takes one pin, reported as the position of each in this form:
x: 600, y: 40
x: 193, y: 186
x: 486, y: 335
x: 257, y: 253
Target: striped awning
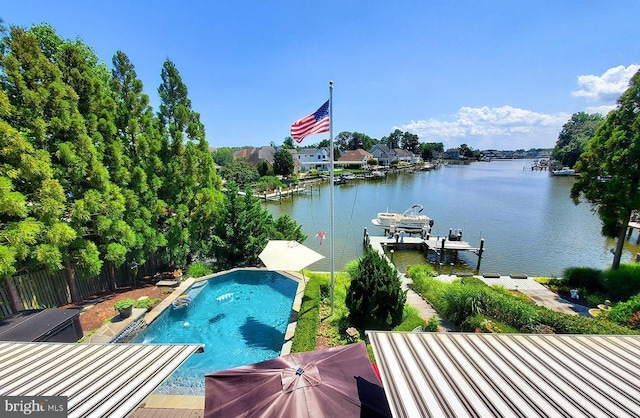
x: 509, y: 375
x: 100, y: 380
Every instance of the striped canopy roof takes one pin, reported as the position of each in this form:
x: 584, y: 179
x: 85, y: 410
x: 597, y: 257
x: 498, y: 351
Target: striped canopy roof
x: 509, y: 375
x: 100, y: 380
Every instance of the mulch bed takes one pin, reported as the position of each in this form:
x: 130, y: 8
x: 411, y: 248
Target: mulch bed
x: 98, y: 308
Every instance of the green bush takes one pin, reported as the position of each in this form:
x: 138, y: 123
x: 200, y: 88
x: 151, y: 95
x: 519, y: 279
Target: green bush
x: 574, y: 324
x: 623, y: 313
x: 463, y: 301
x: 268, y: 183
x: 411, y: 319
x: 586, y: 278
x: 123, y: 304
x: 623, y: 283
x: 433, y: 324
x: 146, y: 303
x: 198, y: 269
x: 308, y: 319
x: 410, y: 324
x: 594, y: 299
x: 375, y: 298
x: 510, y: 310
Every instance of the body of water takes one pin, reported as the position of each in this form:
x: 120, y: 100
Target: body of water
x: 526, y: 218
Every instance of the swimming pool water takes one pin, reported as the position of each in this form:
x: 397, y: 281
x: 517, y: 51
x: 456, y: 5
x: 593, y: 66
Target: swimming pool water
x: 240, y: 316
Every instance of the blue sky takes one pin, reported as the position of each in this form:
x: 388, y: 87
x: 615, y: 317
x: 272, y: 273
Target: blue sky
x: 489, y: 74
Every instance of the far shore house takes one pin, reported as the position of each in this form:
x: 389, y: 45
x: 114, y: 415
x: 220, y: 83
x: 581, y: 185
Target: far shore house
x: 383, y: 154
x: 355, y: 159
x: 404, y: 156
x: 312, y: 158
x: 243, y: 153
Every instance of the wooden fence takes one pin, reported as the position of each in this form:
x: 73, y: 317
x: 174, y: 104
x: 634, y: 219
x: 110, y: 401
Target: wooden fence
x: 49, y: 290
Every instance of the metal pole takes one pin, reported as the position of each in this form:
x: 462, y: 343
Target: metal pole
x: 331, y: 187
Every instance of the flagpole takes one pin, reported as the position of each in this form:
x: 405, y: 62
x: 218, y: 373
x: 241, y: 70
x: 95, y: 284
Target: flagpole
x: 331, y: 187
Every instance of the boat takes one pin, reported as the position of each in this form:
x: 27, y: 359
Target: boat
x: 411, y: 220
x: 377, y: 174
x: 565, y: 171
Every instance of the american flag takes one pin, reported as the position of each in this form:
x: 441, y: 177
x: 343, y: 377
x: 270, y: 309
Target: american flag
x: 315, y: 123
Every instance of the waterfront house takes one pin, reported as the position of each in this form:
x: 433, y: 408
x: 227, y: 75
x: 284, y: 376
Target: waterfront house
x: 404, y: 156
x: 310, y: 158
x: 261, y: 154
x: 355, y: 159
x: 383, y: 154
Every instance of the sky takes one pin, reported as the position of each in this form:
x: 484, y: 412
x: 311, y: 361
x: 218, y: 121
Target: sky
x: 489, y: 74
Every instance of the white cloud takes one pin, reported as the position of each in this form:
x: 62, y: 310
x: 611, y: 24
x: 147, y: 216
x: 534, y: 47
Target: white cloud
x: 603, y: 110
x: 503, y: 127
x: 607, y: 87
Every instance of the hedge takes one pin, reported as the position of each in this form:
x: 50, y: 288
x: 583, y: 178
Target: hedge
x: 308, y: 319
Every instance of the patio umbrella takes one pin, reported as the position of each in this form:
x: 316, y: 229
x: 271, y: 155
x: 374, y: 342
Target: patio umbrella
x: 334, y: 382
x: 288, y: 255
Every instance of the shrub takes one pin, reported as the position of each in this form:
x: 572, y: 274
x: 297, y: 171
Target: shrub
x: 268, y: 183
x: 411, y: 319
x: 574, y: 324
x: 464, y: 301
x: 622, y: 312
x: 594, y: 299
x: 587, y: 278
x: 146, y: 303
x: 123, y: 304
x: 199, y: 269
x: 308, y: 319
x: 375, y: 298
x: 624, y: 282
x: 410, y: 324
x: 511, y: 310
x: 433, y: 324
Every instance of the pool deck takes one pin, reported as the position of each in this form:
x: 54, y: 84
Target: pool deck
x: 184, y: 406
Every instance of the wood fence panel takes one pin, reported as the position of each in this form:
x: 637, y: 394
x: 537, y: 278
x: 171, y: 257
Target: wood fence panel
x: 5, y: 308
x: 88, y: 286
x: 43, y: 289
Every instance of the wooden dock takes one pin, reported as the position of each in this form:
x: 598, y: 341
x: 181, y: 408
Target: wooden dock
x: 633, y: 225
x: 438, y: 245
x: 432, y: 244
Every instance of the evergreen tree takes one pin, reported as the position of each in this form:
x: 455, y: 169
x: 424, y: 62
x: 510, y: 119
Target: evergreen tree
x: 286, y: 228
x: 45, y: 111
x: 283, y: 163
x: 375, y: 298
x: 109, y: 224
x: 32, y: 205
x: 139, y: 140
x: 242, y: 229
x: 188, y: 177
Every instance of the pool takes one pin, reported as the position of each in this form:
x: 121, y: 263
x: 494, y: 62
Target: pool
x: 240, y: 316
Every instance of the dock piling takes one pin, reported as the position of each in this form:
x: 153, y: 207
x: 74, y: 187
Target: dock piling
x: 480, y: 251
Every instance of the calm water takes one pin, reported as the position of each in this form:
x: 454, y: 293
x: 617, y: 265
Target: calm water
x: 527, y: 219
x: 241, y: 317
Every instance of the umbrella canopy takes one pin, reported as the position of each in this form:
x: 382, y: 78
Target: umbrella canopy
x: 334, y: 382
x: 288, y: 255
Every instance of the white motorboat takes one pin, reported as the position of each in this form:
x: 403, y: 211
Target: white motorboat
x: 565, y: 171
x: 411, y: 220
